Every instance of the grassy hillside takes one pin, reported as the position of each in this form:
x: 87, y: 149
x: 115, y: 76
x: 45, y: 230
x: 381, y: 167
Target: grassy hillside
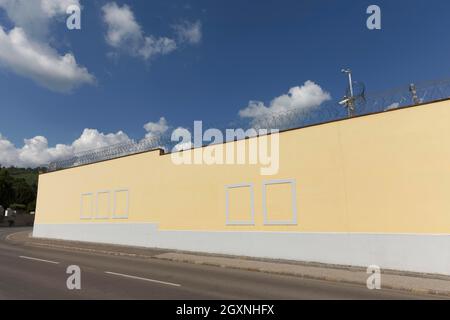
x: 29, y: 175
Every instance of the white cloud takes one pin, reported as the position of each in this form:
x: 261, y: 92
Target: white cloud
x: 41, y: 63
x: 156, y: 46
x: 36, y: 152
x: 26, y: 51
x: 126, y: 35
x: 189, y: 32
x: 305, y: 97
x: 55, y: 7
x: 186, y: 139
x: 122, y: 25
x: 395, y: 105
x: 93, y: 139
x: 8, y: 152
x: 34, y: 16
x: 156, y: 128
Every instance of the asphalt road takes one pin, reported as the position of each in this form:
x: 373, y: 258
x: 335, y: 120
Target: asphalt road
x: 40, y: 273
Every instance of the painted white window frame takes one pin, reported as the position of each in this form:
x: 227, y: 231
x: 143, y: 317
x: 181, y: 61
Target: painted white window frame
x: 97, y: 216
x: 114, y: 215
x: 229, y: 222
x: 294, y: 220
x: 82, y: 216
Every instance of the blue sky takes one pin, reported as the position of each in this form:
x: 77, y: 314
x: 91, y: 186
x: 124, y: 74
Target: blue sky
x: 247, y: 50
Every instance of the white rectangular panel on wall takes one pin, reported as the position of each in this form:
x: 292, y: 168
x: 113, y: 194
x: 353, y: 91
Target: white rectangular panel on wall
x: 87, y: 206
x: 280, y: 202
x: 240, y: 204
x: 121, y: 204
x: 103, y: 205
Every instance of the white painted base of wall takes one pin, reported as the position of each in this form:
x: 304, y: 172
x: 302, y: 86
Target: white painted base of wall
x: 408, y: 252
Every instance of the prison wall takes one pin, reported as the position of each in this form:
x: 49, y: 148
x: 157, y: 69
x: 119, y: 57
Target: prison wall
x: 372, y: 190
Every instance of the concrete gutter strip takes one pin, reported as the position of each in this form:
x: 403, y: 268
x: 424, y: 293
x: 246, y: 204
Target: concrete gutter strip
x: 390, y: 279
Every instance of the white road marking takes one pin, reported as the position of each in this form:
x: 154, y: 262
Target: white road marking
x: 143, y: 279
x: 36, y: 259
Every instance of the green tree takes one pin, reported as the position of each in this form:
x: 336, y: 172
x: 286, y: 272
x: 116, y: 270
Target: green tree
x: 24, y: 193
x: 31, y: 206
x: 7, y: 194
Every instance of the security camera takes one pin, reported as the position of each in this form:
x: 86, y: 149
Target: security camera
x: 344, y: 102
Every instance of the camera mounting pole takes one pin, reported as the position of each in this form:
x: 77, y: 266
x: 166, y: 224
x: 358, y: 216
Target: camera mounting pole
x: 349, y: 102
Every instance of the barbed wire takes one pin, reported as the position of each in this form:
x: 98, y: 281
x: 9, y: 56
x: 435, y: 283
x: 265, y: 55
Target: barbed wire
x: 109, y: 152
x: 329, y: 111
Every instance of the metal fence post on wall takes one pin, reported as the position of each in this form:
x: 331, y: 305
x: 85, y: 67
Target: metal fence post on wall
x: 413, y: 90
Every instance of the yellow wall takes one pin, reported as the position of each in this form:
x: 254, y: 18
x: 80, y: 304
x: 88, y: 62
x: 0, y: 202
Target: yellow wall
x: 387, y: 172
